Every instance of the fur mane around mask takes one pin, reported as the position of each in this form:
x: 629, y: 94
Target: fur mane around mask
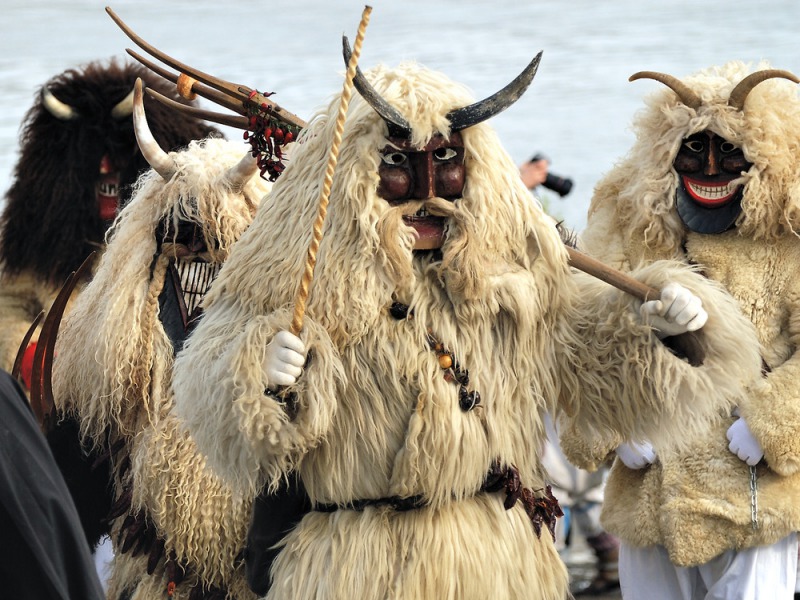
x: 112, y: 341
x: 365, y: 257
x: 50, y: 222
x: 767, y: 130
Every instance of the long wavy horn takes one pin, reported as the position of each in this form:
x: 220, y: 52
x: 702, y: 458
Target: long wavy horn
x: 746, y: 85
x: 152, y: 152
x: 42, y: 400
x: 245, y: 95
x: 124, y: 108
x: 398, y: 125
x: 238, y: 122
x: 685, y: 93
x: 461, y: 118
x: 17, y: 367
x: 56, y: 107
x: 197, y: 87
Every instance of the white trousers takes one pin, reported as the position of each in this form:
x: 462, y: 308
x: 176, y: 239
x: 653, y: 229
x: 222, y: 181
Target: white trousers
x: 763, y: 572
x: 103, y: 556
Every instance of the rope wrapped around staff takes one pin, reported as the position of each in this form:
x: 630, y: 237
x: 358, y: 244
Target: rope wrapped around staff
x: 333, y: 157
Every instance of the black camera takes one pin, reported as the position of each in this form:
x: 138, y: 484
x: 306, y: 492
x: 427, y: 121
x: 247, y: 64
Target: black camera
x: 560, y: 185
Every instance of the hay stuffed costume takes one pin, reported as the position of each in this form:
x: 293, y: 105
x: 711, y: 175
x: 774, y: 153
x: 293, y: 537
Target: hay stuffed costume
x: 713, y: 180
x: 177, y: 528
x: 398, y: 454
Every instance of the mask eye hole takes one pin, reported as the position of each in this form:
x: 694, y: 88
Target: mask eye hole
x: 394, y: 159
x: 694, y: 145
x: 728, y: 147
x: 443, y: 154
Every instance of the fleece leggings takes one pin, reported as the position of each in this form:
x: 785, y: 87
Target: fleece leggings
x: 762, y: 572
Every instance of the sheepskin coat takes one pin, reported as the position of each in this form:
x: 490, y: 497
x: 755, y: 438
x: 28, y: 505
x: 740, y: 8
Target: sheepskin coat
x: 49, y: 220
x: 374, y: 415
x: 114, y: 372
x: 23, y: 297
x: 696, y: 502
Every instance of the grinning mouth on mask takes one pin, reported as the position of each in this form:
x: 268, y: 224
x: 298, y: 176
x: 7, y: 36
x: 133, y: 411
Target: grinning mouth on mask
x: 107, y: 190
x: 429, y: 220
x: 708, y: 194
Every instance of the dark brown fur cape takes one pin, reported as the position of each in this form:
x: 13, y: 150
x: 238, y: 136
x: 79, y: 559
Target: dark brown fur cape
x: 50, y: 222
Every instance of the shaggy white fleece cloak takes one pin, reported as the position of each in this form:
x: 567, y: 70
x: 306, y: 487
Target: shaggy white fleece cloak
x: 375, y: 416
x: 113, y: 370
x: 697, y: 502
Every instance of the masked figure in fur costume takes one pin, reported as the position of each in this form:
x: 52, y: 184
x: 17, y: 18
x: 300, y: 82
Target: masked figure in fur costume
x: 443, y: 321
x: 177, y: 529
x: 78, y: 161
x: 713, y: 180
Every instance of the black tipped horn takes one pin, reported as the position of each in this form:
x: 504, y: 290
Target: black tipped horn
x: 461, y: 118
x: 398, y: 126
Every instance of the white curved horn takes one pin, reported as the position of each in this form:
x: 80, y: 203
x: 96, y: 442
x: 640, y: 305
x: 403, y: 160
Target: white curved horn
x: 56, y: 107
x: 242, y: 172
x: 152, y: 152
x: 123, y: 108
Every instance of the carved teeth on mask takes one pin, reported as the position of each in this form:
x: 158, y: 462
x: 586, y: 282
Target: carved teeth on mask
x: 711, y: 194
x: 107, y: 188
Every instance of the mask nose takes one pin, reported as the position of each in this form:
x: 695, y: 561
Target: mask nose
x: 712, y: 162
x: 424, y: 176
x: 712, y: 156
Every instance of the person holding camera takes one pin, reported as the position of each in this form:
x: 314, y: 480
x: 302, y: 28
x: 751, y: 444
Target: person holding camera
x: 536, y: 172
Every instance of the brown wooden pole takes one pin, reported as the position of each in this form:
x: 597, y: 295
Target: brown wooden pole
x: 621, y: 281
x: 687, y: 343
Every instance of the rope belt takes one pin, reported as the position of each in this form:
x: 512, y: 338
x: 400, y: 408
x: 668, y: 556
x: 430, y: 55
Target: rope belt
x: 543, y: 510
x: 394, y: 502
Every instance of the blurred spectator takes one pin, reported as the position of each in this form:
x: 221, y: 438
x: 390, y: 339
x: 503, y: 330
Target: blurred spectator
x: 580, y: 494
x: 44, y: 553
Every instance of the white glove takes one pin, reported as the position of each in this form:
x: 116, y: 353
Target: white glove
x: 284, y: 359
x: 743, y: 444
x: 636, y: 455
x: 677, y: 311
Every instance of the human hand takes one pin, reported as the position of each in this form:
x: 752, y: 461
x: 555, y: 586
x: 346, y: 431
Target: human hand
x: 284, y: 359
x: 534, y: 172
x: 677, y: 311
x: 635, y: 455
x: 743, y: 443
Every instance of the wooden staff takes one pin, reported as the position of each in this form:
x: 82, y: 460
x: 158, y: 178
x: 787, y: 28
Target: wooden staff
x: 618, y: 279
x: 686, y: 343
x: 333, y: 157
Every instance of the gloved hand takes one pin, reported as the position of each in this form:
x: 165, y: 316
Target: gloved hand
x: 635, y: 455
x: 743, y: 443
x: 284, y: 359
x: 677, y: 311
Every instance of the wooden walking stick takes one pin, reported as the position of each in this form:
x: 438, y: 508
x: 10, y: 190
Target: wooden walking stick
x: 333, y: 157
x: 687, y: 343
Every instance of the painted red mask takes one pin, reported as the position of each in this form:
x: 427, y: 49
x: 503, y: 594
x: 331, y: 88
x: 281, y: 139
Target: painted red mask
x: 435, y: 170
x: 107, y: 190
